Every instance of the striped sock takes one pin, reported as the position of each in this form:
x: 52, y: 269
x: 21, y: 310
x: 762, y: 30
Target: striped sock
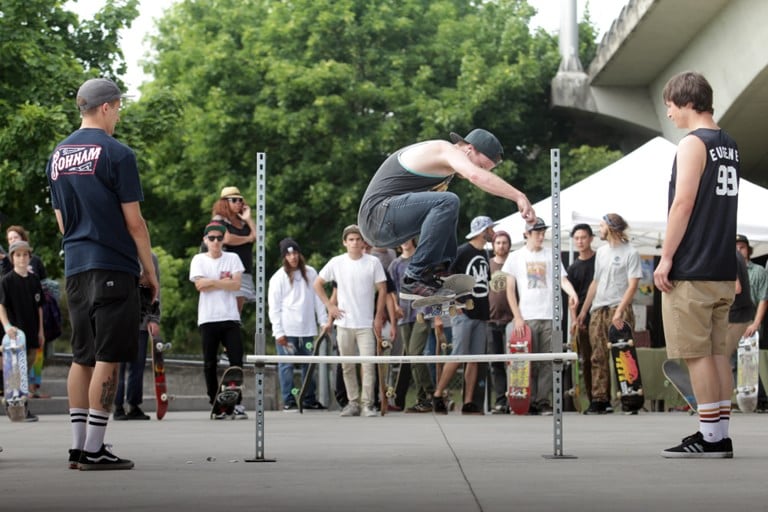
x: 78, y: 419
x: 725, y: 417
x: 709, y: 422
x: 97, y: 427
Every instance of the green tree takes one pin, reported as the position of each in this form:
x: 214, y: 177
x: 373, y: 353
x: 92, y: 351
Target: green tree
x: 46, y: 52
x: 327, y: 89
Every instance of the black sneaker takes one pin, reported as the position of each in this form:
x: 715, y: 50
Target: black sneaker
x: 500, y: 409
x: 118, y: 414
x: 135, y: 414
x: 545, y: 410
x: 317, y: 406
x: 695, y: 447
x: 728, y: 447
x: 74, y: 458
x: 103, y: 460
x: 599, y: 407
x: 291, y: 407
x: 438, y: 405
x: 470, y: 408
x: 30, y: 418
x: 421, y: 406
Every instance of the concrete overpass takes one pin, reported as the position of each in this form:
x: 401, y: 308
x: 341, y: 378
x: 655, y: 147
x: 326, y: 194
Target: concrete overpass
x: 618, y: 98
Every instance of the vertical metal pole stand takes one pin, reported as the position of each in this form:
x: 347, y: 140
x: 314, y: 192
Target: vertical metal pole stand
x: 557, y: 313
x: 260, y: 268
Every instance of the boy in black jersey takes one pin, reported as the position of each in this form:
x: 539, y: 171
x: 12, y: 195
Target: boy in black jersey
x: 697, y: 269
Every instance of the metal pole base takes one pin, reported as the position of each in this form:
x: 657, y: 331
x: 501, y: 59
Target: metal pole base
x: 260, y: 460
x: 559, y: 457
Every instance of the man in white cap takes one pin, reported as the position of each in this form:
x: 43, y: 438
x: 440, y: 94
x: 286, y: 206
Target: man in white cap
x: 407, y: 198
x: 96, y: 195
x: 470, y: 327
x: 529, y: 275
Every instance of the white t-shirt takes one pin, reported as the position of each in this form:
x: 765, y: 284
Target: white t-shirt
x: 614, y: 267
x: 216, y: 305
x: 532, y: 272
x: 356, y: 281
x: 294, y: 308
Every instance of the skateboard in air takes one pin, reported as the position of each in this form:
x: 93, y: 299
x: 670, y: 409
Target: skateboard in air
x: 158, y: 368
x: 315, y: 348
x: 228, y: 393
x: 626, y: 368
x: 519, y: 373
x: 448, y: 300
x: 15, y: 376
x: 678, y: 377
x: 747, y: 372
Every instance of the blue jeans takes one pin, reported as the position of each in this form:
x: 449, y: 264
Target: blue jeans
x: 134, y: 395
x: 431, y: 216
x: 301, y: 346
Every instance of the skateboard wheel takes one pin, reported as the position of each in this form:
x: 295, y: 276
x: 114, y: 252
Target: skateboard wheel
x: 159, y: 347
x: 452, y: 310
x: 294, y: 391
x: 420, y: 317
x: 631, y: 343
x: 385, y: 344
x: 164, y: 397
x: 469, y: 304
x: 640, y: 392
x: 390, y: 393
x: 618, y: 394
x: 609, y: 345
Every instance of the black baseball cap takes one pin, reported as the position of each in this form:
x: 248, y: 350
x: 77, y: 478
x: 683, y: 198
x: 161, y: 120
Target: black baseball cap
x: 484, y: 141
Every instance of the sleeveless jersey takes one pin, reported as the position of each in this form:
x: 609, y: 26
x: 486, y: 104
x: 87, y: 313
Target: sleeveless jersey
x: 394, y: 179
x: 706, y: 250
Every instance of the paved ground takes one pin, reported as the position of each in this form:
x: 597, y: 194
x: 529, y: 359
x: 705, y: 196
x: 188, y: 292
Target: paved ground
x: 400, y: 462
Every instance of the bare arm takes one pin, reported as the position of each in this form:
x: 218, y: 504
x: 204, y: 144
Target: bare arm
x: 691, y: 158
x: 626, y: 302
x: 137, y: 228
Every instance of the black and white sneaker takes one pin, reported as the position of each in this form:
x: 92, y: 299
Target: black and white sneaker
x: 74, y: 458
x: 695, y: 447
x: 103, y: 460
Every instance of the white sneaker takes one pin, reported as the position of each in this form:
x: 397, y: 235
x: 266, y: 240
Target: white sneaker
x: 351, y: 409
x: 369, y: 412
x: 240, y: 412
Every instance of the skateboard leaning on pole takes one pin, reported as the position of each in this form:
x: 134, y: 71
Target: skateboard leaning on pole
x: 383, y: 348
x: 446, y: 299
x: 158, y: 368
x: 519, y: 373
x: 747, y: 372
x: 315, y: 348
x: 15, y: 376
x: 626, y: 368
x: 578, y: 391
x: 443, y: 347
x: 228, y: 393
x: 679, y: 378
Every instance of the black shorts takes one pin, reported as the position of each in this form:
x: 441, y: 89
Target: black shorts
x: 104, y: 310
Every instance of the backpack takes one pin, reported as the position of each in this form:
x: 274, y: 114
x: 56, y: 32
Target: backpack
x: 51, y: 316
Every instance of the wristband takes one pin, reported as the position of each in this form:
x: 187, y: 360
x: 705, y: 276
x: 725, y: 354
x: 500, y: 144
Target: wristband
x: 7, y: 326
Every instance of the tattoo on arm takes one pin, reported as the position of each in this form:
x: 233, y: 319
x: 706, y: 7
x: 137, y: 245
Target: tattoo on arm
x: 108, y: 391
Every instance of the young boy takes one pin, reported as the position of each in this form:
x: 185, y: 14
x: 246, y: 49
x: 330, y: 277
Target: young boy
x: 21, y: 303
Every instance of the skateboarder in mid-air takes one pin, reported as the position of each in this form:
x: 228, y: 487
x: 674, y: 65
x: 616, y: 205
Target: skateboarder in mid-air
x: 407, y: 198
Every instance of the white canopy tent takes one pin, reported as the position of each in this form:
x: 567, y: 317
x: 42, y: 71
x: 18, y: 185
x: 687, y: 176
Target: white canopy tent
x: 635, y: 187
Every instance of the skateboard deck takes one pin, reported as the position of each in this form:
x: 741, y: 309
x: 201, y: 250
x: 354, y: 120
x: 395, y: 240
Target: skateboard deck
x: 394, y: 372
x: 519, y: 373
x: 383, y: 348
x: 446, y: 300
x: 158, y: 368
x: 323, y: 337
x: 678, y: 377
x: 578, y: 391
x: 15, y: 376
x: 229, y: 391
x: 747, y: 373
x: 626, y: 368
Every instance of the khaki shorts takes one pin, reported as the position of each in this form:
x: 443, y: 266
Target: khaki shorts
x: 695, y: 315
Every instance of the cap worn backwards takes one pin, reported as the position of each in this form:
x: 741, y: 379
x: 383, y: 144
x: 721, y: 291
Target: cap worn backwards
x: 96, y: 92
x: 483, y: 141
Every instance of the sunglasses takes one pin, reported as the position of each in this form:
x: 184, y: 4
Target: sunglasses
x: 235, y: 199
x: 212, y: 238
